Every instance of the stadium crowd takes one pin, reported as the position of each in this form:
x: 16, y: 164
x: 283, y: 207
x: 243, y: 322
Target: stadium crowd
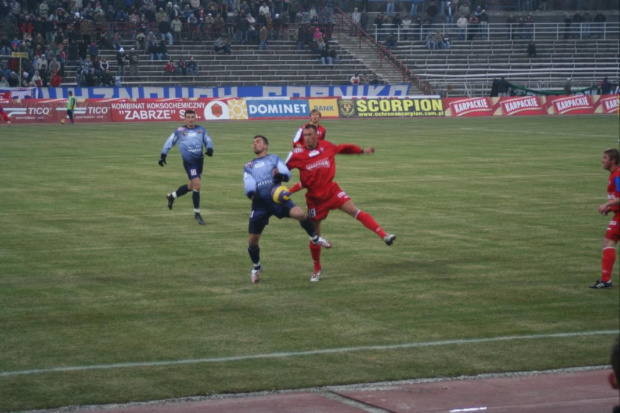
x: 54, y: 34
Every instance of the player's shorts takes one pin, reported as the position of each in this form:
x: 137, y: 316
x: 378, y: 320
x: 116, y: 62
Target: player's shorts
x: 193, y: 170
x: 260, y: 214
x: 613, y: 229
x: 318, y: 208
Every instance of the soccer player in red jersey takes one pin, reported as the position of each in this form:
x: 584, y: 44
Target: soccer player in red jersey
x: 610, y: 161
x: 315, y: 118
x: 317, y: 167
x: 5, y: 116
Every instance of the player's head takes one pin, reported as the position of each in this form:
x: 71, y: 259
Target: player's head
x: 70, y: 93
x: 190, y: 118
x: 614, y: 378
x: 311, y: 137
x: 260, y: 145
x: 315, y: 116
x: 613, y: 155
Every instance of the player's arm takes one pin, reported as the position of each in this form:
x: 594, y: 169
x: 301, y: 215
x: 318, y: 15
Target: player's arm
x: 208, y: 142
x: 281, y: 173
x: 297, y: 137
x: 349, y: 149
x: 606, y: 207
x: 164, y: 151
x: 249, y: 182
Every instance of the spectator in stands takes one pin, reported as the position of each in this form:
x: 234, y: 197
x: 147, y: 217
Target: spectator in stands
x: 568, y: 86
x: 484, y: 23
x: 163, y: 50
x: 4, y: 82
x: 389, y: 10
x: 438, y: 40
x: 432, y: 12
x: 599, y: 21
x: 355, y: 79
x: 170, y: 69
x: 464, y: 9
x: 446, y: 41
x: 567, y: 25
x: 165, y: 31
x: 578, y: 21
x: 36, y: 79
x: 390, y: 42
x: 192, y: 66
x: 531, y: 49
x: 472, y: 27
x: 141, y: 43
x: 430, y: 41
x: 263, y: 35
x: 503, y: 86
x: 364, y: 20
x: 606, y: 86
x: 182, y: 67
x: 222, y: 46
x: 134, y: 62
x: 93, y: 51
x: 56, y: 79
x: 153, y: 49
x: 587, y: 22
x: 121, y: 60
x: 449, y: 12
x: 177, y: 26
x: 326, y: 59
x: 253, y: 35
x: 414, y: 7
x: 356, y: 16
x: 462, y: 23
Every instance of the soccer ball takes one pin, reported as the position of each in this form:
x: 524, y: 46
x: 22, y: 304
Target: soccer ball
x: 62, y: 121
x: 280, y: 194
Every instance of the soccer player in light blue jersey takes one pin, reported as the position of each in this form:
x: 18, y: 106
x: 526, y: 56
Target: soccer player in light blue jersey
x: 260, y: 176
x: 190, y: 139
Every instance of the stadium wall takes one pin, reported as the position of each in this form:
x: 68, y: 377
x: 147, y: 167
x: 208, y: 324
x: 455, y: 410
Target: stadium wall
x: 216, y: 109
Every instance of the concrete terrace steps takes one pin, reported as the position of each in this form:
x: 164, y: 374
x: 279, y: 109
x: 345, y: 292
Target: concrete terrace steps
x: 281, y: 64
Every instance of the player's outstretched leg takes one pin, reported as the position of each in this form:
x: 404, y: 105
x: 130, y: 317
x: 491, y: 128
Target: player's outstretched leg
x: 315, y: 252
x: 182, y: 190
x: 255, y: 257
x: 389, y: 239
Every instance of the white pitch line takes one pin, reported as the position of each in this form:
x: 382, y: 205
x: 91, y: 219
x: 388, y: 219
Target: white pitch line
x: 301, y: 353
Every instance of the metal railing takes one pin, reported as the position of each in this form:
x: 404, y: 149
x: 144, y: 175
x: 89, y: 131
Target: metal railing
x: 502, y: 31
x: 346, y: 25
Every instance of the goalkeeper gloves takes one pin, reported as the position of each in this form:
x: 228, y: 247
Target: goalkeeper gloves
x: 279, y: 178
x: 250, y: 194
x: 162, y: 160
x: 209, y: 152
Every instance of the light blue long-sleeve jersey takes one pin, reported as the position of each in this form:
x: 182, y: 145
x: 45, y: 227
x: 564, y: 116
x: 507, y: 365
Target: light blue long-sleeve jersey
x: 190, y: 142
x: 258, y: 176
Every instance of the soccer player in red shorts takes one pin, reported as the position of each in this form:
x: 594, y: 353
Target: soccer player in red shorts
x: 317, y: 167
x: 5, y: 116
x: 315, y: 118
x: 610, y: 161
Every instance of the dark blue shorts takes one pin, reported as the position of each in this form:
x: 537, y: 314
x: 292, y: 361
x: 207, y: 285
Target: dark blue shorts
x: 194, y: 170
x: 260, y: 214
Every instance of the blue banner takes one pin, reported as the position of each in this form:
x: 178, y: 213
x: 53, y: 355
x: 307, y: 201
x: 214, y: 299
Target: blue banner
x: 398, y: 90
x: 273, y: 108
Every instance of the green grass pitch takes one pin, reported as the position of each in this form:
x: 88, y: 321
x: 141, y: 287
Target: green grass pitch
x: 498, y: 236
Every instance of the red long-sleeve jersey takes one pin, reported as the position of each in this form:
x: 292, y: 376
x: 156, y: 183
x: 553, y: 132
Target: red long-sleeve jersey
x: 317, y: 167
x: 298, y: 139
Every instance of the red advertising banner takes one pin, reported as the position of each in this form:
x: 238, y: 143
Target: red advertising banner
x: 606, y: 104
x: 568, y: 105
x: 468, y: 107
x: 166, y: 110
x: 519, y: 106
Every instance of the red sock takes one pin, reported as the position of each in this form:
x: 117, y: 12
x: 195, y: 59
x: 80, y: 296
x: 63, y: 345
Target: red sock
x: 369, y: 222
x: 315, y: 252
x: 609, y: 257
